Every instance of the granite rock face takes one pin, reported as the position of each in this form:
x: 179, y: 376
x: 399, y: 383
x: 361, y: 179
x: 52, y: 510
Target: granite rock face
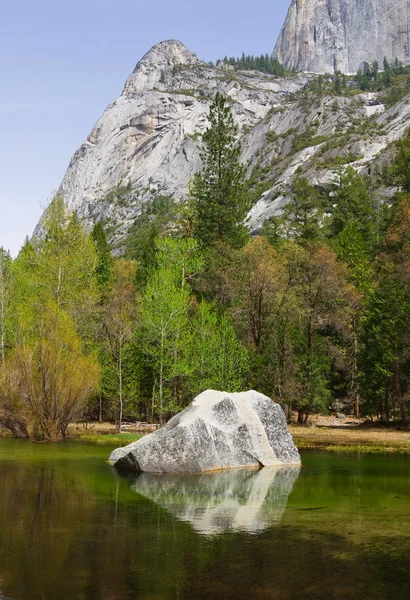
x: 149, y: 140
x: 217, y: 431
x: 150, y: 137
x: 323, y: 36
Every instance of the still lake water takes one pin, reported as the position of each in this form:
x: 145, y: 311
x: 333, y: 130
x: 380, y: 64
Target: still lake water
x: 71, y: 528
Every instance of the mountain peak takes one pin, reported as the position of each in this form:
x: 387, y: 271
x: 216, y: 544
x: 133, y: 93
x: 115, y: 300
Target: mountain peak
x: 324, y: 36
x: 170, y: 52
x: 162, y: 57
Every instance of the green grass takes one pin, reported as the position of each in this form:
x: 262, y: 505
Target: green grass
x: 118, y: 439
x: 367, y: 448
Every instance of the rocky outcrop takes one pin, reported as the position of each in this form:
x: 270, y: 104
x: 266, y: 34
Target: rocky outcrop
x: 149, y: 138
x: 217, y: 431
x: 148, y: 142
x: 213, y: 503
x: 323, y: 36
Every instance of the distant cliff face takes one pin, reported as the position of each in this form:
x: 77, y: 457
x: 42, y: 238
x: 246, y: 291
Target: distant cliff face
x: 323, y: 36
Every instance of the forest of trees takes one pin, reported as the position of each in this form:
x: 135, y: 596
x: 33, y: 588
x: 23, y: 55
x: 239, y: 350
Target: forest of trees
x: 376, y: 76
x: 263, y: 63
x: 312, y: 312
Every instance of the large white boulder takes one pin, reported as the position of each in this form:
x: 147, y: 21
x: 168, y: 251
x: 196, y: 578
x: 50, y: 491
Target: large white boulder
x: 217, y: 431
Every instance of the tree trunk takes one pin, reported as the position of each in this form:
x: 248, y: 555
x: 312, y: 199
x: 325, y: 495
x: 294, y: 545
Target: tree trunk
x: 17, y: 428
x: 300, y: 416
x: 355, y: 373
x: 2, y: 314
x: 399, y: 395
x: 160, y: 393
x: 47, y: 430
x: 161, y: 378
x: 120, y: 386
x: 153, y: 401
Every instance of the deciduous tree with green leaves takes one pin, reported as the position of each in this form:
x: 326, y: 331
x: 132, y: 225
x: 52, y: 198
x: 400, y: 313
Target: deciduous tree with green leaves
x: 46, y: 380
x: 118, y: 315
x: 58, y: 266
x: 165, y: 335
x: 219, y: 360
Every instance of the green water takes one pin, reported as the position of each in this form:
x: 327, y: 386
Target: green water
x: 71, y: 528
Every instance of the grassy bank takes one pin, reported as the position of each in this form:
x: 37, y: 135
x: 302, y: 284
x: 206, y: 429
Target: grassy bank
x: 354, y: 439
x: 103, y: 433
x: 116, y: 439
x: 95, y: 435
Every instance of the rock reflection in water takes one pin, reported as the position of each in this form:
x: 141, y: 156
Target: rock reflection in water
x: 236, y: 500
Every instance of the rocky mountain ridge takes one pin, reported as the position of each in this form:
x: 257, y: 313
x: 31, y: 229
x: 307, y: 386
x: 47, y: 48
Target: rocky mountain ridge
x: 147, y: 142
x: 148, y: 138
x: 325, y: 36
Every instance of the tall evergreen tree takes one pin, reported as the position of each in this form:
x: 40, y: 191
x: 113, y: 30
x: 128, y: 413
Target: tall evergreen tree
x: 351, y: 203
x: 401, y: 164
x: 105, y: 261
x: 303, y: 217
x: 5, y: 276
x: 218, y: 194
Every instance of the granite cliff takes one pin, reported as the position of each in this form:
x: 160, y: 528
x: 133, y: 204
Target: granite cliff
x: 147, y: 142
x: 147, y: 139
x: 324, y: 36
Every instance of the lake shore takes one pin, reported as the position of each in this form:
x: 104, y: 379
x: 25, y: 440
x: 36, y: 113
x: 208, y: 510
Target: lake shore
x: 352, y: 438
x: 324, y: 434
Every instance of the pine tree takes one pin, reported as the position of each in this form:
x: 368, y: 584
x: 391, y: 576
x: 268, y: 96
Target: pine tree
x: 401, y: 164
x: 103, y: 270
x: 351, y: 203
x: 303, y: 216
x: 5, y: 276
x: 218, y: 195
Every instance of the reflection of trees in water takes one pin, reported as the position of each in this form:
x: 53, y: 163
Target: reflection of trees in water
x: 1, y: 593
x: 295, y: 564
x: 53, y: 524
x: 74, y: 533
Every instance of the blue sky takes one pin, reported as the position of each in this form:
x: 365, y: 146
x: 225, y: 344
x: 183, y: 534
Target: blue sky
x: 61, y: 63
